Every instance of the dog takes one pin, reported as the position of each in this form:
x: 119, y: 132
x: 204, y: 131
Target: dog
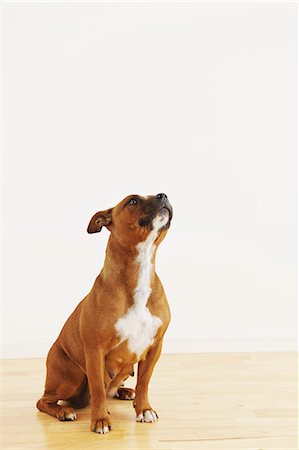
x: 121, y: 322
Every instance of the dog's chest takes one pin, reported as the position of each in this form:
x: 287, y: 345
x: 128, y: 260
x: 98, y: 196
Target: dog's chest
x: 138, y: 326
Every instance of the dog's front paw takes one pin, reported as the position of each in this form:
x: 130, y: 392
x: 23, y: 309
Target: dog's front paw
x: 148, y: 415
x: 101, y: 426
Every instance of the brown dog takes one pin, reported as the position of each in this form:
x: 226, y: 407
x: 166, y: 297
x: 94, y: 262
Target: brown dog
x: 121, y: 321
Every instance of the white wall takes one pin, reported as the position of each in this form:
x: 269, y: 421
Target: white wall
x: 192, y: 99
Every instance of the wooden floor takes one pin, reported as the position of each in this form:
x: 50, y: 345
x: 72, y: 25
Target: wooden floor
x: 204, y: 401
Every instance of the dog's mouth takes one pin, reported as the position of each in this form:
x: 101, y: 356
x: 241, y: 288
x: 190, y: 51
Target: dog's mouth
x: 162, y: 213
x: 165, y: 211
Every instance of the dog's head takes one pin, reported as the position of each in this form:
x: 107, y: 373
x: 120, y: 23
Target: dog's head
x: 135, y: 218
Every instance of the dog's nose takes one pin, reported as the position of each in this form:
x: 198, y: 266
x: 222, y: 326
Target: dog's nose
x: 161, y: 196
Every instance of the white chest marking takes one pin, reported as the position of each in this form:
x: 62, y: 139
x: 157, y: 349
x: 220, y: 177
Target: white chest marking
x: 138, y: 326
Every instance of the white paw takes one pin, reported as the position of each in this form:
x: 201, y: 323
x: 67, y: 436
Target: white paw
x: 147, y: 416
x: 70, y: 416
x: 66, y: 413
x: 101, y: 426
x: 104, y: 430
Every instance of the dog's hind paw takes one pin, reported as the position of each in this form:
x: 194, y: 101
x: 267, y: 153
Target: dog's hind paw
x: 66, y: 413
x: 125, y: 393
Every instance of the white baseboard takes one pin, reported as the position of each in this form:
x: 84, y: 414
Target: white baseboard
x: 202, y: 345
x: 218, y: 344
x: 28, y: 350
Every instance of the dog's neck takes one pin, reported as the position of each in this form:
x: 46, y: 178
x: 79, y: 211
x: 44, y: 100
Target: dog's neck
x: 133, y: 267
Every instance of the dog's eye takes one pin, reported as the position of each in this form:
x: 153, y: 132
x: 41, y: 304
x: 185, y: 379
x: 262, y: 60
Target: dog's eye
x: 133, y: 201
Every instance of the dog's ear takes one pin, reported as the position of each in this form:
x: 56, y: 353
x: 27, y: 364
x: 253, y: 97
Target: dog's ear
x: 99, y: 220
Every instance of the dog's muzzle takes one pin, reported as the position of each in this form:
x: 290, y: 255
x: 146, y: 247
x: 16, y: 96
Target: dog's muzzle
x: 158, y: 205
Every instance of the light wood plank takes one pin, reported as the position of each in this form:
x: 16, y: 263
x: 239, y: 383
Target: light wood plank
x: 204, y: 401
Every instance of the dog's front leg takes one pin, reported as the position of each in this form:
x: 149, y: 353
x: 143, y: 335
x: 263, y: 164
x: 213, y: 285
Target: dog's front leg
x: 144, y: 412
x: 95, y: 368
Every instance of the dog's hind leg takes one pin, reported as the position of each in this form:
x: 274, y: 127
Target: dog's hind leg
x: 48, y: 404
x: 82, y: 397
x: 117, y: 389
x: 63, y: 380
